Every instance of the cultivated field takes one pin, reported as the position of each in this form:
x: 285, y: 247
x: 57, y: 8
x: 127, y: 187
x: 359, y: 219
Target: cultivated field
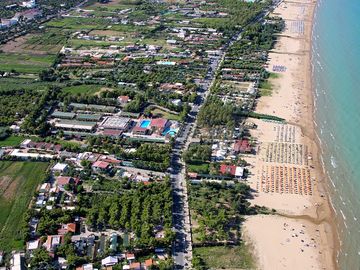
x: 18, y: 182
x: 25, y: 63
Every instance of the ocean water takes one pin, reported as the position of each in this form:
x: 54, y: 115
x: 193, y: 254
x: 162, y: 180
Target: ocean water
x: 336, y: 82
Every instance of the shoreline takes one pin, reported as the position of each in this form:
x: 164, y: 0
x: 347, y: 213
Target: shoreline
x: 317, y: 212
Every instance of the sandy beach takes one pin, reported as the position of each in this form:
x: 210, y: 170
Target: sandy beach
x: 286, y: 174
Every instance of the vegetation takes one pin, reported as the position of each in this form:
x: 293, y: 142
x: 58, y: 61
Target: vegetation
x: 218, y: 210
x: 223, y: 257
x: 18, y: 181
x: 11, y: 141
x: 25, y: 63
x: 215, y: 113
x: 136, y: 210
x: 14, y: 105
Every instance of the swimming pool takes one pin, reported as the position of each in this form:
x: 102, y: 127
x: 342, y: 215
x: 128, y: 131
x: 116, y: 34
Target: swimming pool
x: 145, y: 123
x: 170, y: 131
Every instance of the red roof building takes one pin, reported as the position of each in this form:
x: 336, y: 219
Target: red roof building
x: 64, y: 180
x: 65, y: 228
x: 242, y: 146
x: 139, y: 130
x: 149, y: 263
x: 158, y: 122
x: 112, y: 132
x: 101, y: 165
x: 123, y: 99
x: 227, y: 169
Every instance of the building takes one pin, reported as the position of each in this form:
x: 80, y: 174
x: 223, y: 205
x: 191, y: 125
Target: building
x: 242, y: 146
x: 140, y: 131
x: 17, y: 262
x: 109, y: 261
x: 33, y: 245
x: 92, y: 107
x: 74, y: 125
x: 29, y: 4
x: 158, y: 124
x: 118, y: 123
x: 60, y: 167
x: 62, y: 181
x: 135, y: 266
x: 123, y: 100
x: 101, y: 166
x: 232, y: 170
x: 63, y: 115
x: 52, y: 242
x: 149, y: 263
x: 66, y: 228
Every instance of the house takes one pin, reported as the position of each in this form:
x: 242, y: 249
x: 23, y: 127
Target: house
x: 123, y: 99
x: 139, y: 130
x: 88, y: 266
x: 65, y: 228
x: 101, y: 166
x: 242, y: 146
x: 135, y: 266
x: 109, y: 261
x: 62, y: 181
x: 130, y: 256
x: 232, y: 170
x: 62, y: 262
x: 158, y: 124
x: 17, y: 262
x: 60, y: 168
x: 52, y: 242
x: 32, y: 245
x: 44, y: 188
x: 148, y: 263
x: 176, y: 102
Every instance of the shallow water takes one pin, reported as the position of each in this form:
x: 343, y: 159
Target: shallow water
x: 336, y: 74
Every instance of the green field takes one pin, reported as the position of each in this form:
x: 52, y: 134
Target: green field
x: 82, y: 89
x: 160, y: 113
x: 221, y: 257
x: 25, y: 63
x: 17, y: 83
x: 202, y: 168
x: 12, y: 141
x: 18, y: 182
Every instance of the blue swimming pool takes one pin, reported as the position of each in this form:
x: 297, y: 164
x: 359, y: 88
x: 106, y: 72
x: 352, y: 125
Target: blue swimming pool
x: 170, y: 131
x: 145, y: 123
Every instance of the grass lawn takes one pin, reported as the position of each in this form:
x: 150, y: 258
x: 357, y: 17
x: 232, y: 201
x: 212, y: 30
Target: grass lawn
x: 199, y: 168
x: 159, y: 113
x: 12, y: 141
x: 18, y: 182
x: 25, y: 63
x: 220, y: 257
x: 82, y: 89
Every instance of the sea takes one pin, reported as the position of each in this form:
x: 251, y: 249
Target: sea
x: 336, y: 83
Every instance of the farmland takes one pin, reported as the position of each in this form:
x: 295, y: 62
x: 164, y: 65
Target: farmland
x: 11, y: 141
x: 18, y: 182
x: 25, y: 63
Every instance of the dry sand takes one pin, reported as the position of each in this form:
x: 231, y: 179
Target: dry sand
x: 275, y: 246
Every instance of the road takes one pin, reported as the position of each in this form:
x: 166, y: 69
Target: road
x: 182, y: 247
